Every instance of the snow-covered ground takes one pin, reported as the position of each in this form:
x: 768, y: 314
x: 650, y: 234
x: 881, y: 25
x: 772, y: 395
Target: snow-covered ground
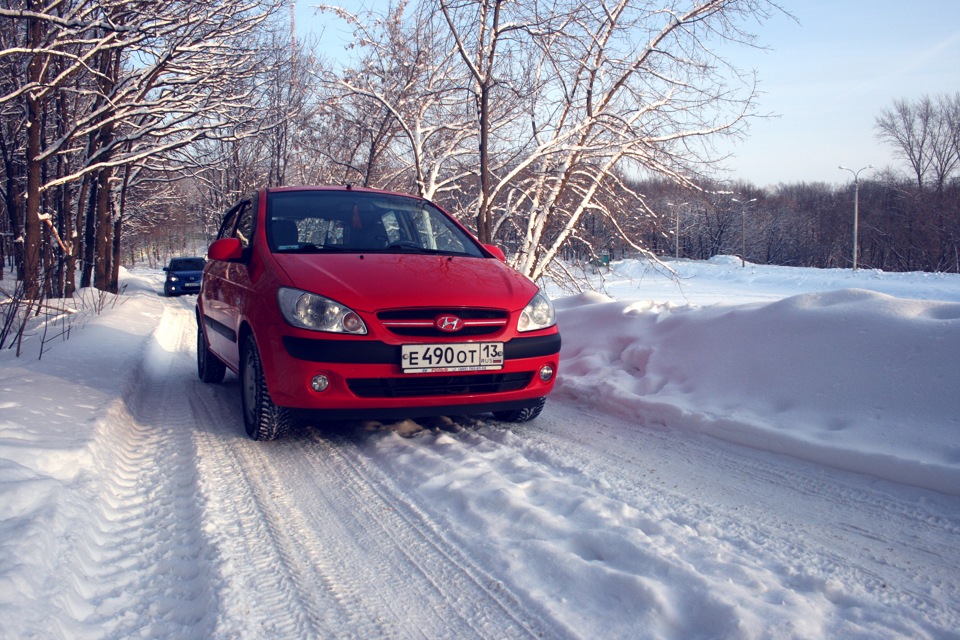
x: 747, y: 453
x: 857, y: 371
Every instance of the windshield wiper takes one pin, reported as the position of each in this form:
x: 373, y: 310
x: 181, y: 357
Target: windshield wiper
x: 413, y: 247
x: 309, y: 247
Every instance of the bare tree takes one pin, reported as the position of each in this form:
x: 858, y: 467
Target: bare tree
x: 623, y: 87
x: 568, y: 99
x: 489, y: 37
x: 925, y: 133
x: 404, y: 100
x: 147, y: 79
x: 915, y: 132
x: 260, y: 140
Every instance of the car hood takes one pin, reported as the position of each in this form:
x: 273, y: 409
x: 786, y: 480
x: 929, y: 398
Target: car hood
x: 372, y: 281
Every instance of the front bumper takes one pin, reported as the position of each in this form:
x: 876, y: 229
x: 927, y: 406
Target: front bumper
x: 180, y: 288
x: 366, y: 380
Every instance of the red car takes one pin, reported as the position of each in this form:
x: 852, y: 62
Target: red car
x: 352, y: 303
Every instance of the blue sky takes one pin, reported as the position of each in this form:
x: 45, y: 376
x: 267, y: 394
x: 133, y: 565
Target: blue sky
x: 826, y: 76
x: 829, y: 74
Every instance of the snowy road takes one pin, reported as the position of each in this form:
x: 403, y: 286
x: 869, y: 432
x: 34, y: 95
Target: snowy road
x: 578, y: 525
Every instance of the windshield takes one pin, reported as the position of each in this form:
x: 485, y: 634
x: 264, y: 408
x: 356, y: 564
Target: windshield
x: 187, y: 264
x: 351, y: 221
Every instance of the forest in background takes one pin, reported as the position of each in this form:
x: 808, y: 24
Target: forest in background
x: 565, y: 133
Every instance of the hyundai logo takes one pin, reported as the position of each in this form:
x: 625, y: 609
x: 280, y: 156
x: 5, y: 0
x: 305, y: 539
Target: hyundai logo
x: 449, y: 324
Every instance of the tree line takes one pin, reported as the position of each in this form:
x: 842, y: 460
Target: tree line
x: 902, y: 227
x: 557, y: 128
x: 521, y: 118
x: 909, y: 219
x: 98, y: 97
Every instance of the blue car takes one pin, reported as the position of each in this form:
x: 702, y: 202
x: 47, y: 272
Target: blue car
x: 183, y: 276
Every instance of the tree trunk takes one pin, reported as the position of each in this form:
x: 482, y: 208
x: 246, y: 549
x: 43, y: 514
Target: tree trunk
x: 485, y: 205
x: 31, y: 226
x: 104, y: 232
x: 31, y: 223
x: 115, y: 261
x: 70, y: 257
x: 88, y: 205
x: 14, y: 205
x: 118, y: 233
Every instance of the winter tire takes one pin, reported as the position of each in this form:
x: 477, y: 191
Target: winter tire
x: 262, y: 419
x: 209, y: 367
x: 526, y: 414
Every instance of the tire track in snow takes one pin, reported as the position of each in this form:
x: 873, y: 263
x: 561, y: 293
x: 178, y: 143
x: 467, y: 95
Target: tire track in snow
x: 746, y: 544
x: 263, y: 584
x: 480, y: 602
x: 273, y: 586
x: 797, y: 520
x: 141, y: 567
x: 560, y: 545
x: 356, y: 559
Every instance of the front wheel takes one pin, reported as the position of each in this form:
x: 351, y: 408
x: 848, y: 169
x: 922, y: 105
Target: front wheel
x: 525, y: 414
x: 262, y: 419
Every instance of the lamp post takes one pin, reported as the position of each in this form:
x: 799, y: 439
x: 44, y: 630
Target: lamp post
x: 676, y: 232
x: 856, y: 206
x: 743, y: 230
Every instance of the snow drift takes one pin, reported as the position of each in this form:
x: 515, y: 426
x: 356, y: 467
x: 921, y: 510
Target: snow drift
x: 855, y: 379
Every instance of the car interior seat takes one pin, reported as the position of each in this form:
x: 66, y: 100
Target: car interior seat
x: 285, y: 233
x: 369, y: 234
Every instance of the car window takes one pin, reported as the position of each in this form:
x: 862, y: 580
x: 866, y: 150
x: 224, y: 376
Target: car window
x: 187, y: 264
x: 244, y: 230
x: 317, y: 221
x: 436, y: 231
x: 229, y: 222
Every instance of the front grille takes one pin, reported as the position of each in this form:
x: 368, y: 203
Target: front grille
x: 420, y: 322
x: 423, y: 385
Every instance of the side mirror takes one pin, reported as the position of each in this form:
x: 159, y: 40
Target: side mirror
x: 496, y: 251
x: 226, y: 249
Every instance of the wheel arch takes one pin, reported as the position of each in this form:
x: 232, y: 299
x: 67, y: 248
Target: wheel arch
x: 243, y: 331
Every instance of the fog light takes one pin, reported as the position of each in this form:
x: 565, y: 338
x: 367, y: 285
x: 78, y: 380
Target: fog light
x: 546, y: 373
x: 353, y: 324
x: 320, y: 383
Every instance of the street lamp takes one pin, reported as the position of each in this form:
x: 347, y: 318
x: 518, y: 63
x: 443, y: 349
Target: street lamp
x: 743, y: 228
x: 676, y: 232
x: 856, y: 205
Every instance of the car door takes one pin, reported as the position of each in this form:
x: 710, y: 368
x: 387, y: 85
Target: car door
x: 227, y: 285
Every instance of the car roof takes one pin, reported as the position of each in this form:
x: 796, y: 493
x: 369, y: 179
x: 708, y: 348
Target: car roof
x: 340, y: 188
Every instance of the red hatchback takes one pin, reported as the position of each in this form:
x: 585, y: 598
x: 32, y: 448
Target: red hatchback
x: 354, y: 303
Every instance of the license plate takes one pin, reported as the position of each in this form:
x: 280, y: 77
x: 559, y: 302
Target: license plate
x: 191, y: 285
x: 451, y: 358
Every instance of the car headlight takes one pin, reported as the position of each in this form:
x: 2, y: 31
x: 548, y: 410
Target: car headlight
x: 538, y: 314
x: 174, y: 278
x: 316, y: 313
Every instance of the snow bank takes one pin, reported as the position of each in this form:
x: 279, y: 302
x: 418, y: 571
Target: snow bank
x: 858, y: 380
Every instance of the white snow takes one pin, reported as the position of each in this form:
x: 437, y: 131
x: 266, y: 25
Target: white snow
x: 750, y: 452
x: 855, y: 377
